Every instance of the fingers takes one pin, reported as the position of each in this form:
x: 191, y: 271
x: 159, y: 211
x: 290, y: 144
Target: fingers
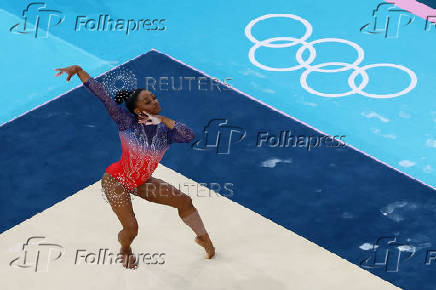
x: 144, y: 114
x: 144, y: 121
x: 59, y: 73
x: 148, y: 121
x: 147, y: 118
x: 153, y: 122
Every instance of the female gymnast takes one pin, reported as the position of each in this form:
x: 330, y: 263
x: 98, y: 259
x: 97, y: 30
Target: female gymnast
x: 145, y: 136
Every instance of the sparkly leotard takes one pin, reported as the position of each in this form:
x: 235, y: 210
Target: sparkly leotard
x: 143, y: 146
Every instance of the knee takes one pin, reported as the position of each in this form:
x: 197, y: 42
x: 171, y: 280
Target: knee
x: 186, y: 203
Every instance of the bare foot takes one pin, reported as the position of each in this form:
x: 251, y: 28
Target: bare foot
x: 206, y: 243
x: 129, y: 260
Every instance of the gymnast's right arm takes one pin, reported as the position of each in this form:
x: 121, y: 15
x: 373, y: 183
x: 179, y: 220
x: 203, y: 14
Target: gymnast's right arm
x: 121, y: 116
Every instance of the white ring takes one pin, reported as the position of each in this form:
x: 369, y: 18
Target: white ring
x: 413, y: 80
x: 306, y: 23
x: 356, y: 90
x: 252, y: 53
x: 360, y: 54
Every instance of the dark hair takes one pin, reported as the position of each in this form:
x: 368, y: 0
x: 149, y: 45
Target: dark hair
x: 129, y: 97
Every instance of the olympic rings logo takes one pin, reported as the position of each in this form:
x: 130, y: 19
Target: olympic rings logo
x: 291, y: 41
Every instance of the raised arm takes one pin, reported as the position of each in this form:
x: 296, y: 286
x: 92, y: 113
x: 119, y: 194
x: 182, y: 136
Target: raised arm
x: 120, y: 115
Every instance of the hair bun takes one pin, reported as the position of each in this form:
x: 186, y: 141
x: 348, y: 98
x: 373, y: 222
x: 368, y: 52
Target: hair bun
x: 121, y: 96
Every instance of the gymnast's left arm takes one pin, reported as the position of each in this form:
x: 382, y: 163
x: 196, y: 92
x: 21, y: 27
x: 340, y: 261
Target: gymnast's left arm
x: 177, y: 131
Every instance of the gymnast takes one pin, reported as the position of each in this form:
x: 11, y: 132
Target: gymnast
x: 145, y: 136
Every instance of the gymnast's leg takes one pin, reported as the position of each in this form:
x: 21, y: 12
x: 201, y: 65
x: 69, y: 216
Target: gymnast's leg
x: 158, y: 191
x: 119, y: 199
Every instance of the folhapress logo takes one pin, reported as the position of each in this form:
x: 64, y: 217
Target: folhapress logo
x: 387, y: 253
x: 387, y: 20
x: 219, y: 135
x: 37, y: 255
x: 37, y: 19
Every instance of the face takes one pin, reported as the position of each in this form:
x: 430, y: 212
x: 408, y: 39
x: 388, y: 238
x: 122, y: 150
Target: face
x: 148, y: 102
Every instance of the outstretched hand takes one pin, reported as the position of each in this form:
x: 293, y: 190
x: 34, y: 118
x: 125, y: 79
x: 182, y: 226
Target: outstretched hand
x: 70, y: 70
x: 148, y: 119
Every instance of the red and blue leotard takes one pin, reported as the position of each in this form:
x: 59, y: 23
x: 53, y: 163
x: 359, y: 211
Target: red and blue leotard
x: 143, y: 146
